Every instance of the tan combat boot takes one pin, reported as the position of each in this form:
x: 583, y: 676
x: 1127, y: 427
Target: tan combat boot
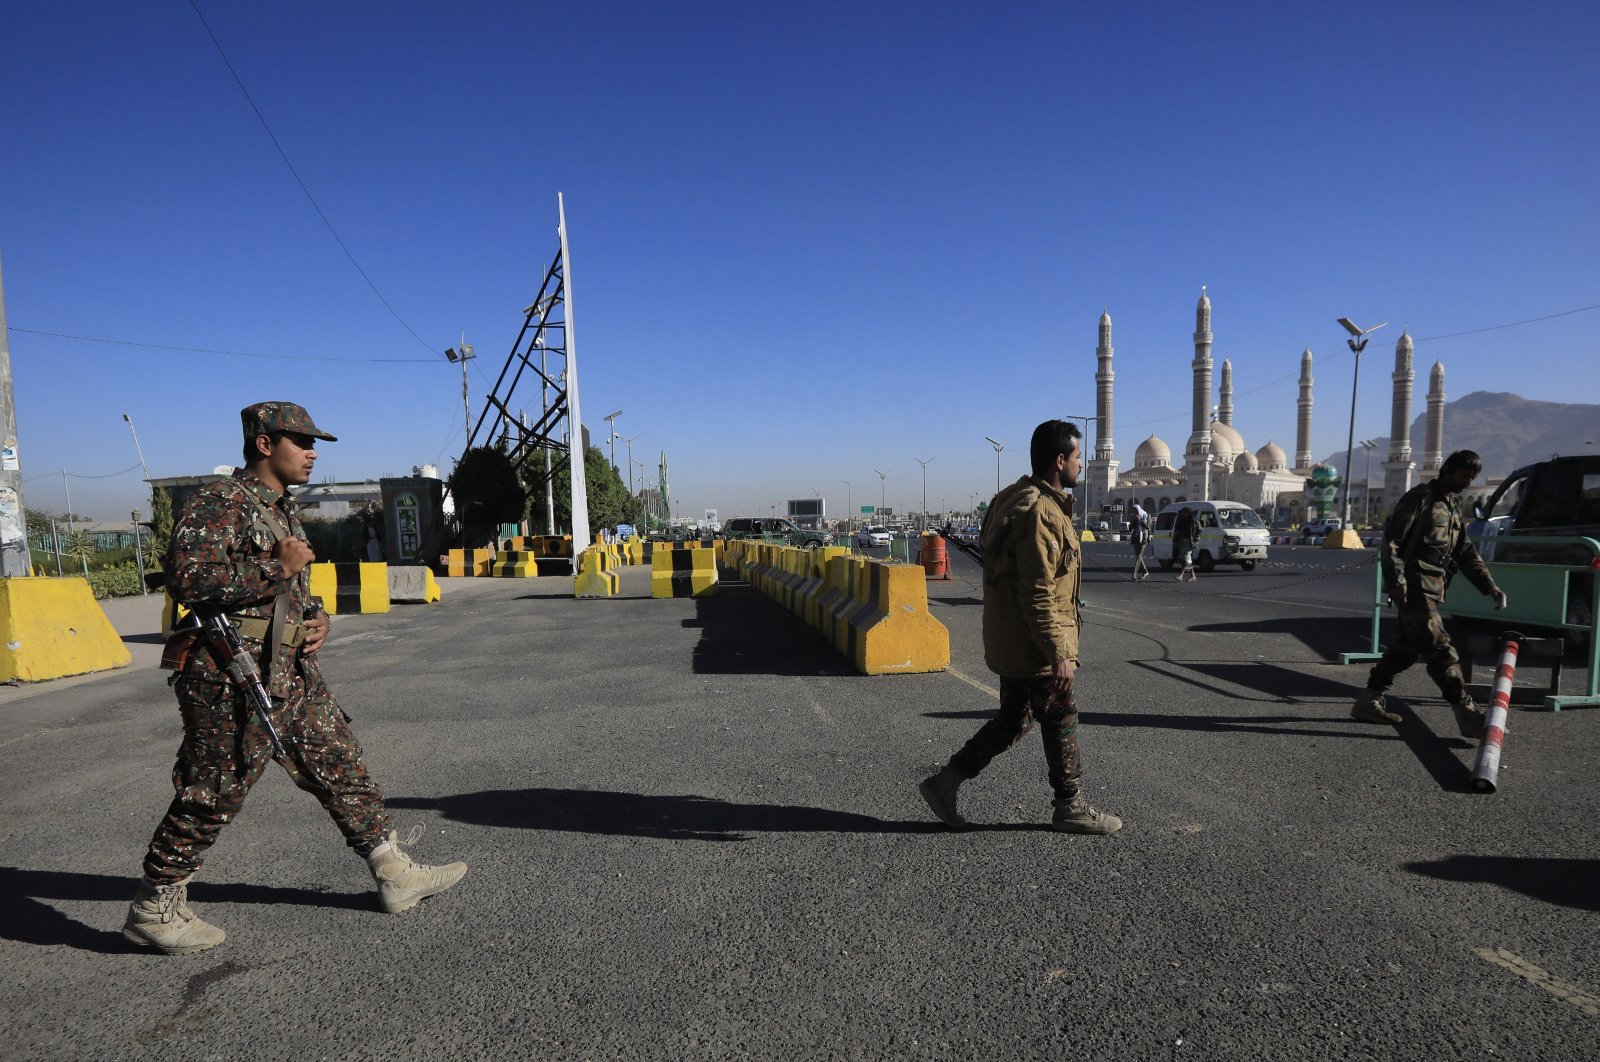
x: 1470, y: 718
x: 1369, y: 708
x: 939, y: 791
x: 402, y: 881
x: 160, y: 918
x: 1076, y: 816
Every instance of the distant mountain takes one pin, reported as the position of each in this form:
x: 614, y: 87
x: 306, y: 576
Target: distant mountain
x: 1508, y: 430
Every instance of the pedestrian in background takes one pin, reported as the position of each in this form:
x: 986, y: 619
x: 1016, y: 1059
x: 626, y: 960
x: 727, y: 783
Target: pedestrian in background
x: 1031, y: 574
x: 1185, y: 531
x: 1139, y: 536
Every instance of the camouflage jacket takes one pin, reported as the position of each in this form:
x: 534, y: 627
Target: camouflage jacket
x: 1030, y: 580
x: 221, y: 555
x: 1424, y: 544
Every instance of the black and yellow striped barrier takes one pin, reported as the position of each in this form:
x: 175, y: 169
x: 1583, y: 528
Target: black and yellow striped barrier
x: 683, y: 573
x: 467, y: 562
x: 351, y: 588
x: 515, y: 564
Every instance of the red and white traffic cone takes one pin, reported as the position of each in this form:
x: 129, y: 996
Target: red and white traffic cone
x: 1485, y: 773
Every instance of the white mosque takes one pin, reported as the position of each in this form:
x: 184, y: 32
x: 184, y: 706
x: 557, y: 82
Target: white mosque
x: 1217, y: 463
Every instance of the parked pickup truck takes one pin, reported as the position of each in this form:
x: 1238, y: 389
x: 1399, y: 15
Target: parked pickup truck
x: 1558, y: 498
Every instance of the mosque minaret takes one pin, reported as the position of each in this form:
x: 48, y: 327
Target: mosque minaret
x: 1433, y: 453
x: 1399, y: 470
x: 1197, y: 457
x: 1216, y: 463
x: 1101, y: 474
x: 1302, y: 442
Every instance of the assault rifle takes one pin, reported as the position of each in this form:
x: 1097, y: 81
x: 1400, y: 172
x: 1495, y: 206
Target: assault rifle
x: 965, y: 547
x: 230, y: 651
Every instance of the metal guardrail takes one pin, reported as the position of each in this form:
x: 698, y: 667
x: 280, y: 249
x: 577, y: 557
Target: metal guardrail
x: 1538, y: 595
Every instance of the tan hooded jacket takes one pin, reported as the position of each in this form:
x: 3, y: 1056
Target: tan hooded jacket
x: 1030, y: 580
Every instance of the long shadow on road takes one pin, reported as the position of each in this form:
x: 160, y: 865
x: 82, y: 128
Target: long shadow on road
x: 743, y: 632
x: 1567, y: 882
x: 26, y: 918
x: 669, y: 817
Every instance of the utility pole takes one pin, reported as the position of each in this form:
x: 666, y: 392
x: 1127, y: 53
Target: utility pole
x: 924, y: 465
x: 14, y: 559
x: 849, y: 502
x: 464, y: 355
x: 998, y: 446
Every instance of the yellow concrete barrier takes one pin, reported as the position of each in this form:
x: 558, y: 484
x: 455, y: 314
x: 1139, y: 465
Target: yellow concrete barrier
x: 597, y: 576
x: 350, y: 588
x: 683, y: 573
x: 515, y: 564
x: 413, y: 583
x: 468, y: 562
x: 50, y: 628
x: 891, y: 630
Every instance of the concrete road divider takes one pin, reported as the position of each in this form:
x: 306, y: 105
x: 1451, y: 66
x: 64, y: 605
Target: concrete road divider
x: 683, y: 573
x: 468, y: 562
x: 350, y: 588
x: 597, y: 575
x: 515, y: 564
x: 413, y: 583
x: 50, y: 628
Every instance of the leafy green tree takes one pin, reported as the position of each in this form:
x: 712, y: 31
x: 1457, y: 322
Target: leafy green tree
x: 488, y: 493
x: 610, y: 503
x: 160, y: 524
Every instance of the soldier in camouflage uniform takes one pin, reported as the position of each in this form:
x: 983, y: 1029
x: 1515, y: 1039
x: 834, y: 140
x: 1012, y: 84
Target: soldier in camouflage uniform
x: 1424, y: 544
x: 1031, y: 575
x: 238, y: 546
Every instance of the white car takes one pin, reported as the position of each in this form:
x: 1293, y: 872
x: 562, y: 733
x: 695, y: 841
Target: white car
x: 869, y: 537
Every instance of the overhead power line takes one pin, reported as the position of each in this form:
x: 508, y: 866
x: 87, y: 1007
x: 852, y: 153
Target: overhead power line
x: 229, y: 353
x: 296, y: 173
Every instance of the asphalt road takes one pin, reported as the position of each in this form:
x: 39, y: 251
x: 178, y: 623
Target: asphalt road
x: 694, y: 833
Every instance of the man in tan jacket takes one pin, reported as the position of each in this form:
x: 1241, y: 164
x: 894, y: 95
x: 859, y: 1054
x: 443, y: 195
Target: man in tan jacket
x: 1030, y: 632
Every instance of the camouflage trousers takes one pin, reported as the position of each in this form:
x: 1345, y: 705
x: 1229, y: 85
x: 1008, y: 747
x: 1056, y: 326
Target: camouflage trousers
x: 220, y: 760
x: 1022, y: 701
x: 1421, y: 637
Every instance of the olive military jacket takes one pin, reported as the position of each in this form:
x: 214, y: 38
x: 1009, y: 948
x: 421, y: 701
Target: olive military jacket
x: 220, y: 555
x: 1031, y: 574
x: 1424, y: 543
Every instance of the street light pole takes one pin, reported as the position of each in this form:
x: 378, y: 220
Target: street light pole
x: 1358, y: 343
x: 611, y: 430
x: 849, y: 501
x: 629, y: 441
x: 138, y: 448
x: 1083, y: 445
x: 998, y: 446
x: 138, y: 551
x: 883, y: 494
x: 1366, y: 495
x: 924, y: 465
x: 464, y: 355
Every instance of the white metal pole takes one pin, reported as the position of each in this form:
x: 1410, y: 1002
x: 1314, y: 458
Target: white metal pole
x: 580, y: 482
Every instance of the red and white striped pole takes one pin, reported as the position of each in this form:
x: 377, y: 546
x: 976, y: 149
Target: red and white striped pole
x: 1486, y: 771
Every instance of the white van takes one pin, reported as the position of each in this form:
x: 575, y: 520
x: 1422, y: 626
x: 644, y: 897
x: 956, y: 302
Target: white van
x: 1230, y: 533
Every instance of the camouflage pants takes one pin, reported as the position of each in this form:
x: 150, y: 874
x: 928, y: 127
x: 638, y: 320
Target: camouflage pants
x: 1421, y: 637
x: 220, y: 760
x: 1021, y: 702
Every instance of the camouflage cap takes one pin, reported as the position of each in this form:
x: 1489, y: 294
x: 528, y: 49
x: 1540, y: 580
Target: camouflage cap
x: 265, y: 418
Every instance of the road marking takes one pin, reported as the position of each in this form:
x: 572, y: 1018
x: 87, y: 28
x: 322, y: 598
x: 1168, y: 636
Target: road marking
x: 1568, y: 993
x: 975, y: 684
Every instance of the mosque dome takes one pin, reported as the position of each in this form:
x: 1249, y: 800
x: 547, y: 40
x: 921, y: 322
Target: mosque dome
x: 1272, y: 458
x: 1221, y: 452
x: 1245, y: 462
x: 1152, y: 452
x: 1230, y: 433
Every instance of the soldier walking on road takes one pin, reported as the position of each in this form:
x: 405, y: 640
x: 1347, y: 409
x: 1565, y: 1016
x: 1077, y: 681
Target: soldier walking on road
x: 238, y: 547
x: 1424, y: 543
x: 1031, y: 571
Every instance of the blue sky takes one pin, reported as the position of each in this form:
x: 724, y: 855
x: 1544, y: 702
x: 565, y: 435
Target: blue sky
x: 808, y: 241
